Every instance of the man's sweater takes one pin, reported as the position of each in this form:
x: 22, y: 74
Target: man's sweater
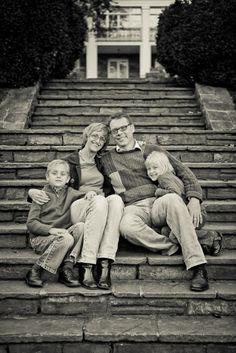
x: 53, y: 214
x: 128, y: 176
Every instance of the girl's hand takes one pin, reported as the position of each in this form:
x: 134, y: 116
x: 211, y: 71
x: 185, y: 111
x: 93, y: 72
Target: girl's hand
x: 38, y: 196
x: 90, y: 195
x: 194, y: 209
x: 58, y: 231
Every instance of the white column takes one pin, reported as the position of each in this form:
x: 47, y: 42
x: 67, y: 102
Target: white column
x: 145, y: 47
x: 91, y: 54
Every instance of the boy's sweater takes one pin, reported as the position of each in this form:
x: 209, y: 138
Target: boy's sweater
x: 128, y: 176
x: 54, y: 214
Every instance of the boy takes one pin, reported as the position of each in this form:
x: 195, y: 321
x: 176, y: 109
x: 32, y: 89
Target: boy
x: 160, y: 170
x: 48, y: 226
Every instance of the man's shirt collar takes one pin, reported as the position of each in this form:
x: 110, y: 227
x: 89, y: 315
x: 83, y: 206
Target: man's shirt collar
x: 136, y: 147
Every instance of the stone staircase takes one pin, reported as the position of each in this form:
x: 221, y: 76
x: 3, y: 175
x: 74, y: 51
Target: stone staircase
x: 150, y: 308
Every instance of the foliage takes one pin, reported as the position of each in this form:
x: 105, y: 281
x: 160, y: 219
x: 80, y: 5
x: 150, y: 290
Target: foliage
x: 41, y: 39
x: 196, y: 40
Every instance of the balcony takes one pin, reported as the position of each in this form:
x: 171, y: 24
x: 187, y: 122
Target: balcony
x: 121, y: 34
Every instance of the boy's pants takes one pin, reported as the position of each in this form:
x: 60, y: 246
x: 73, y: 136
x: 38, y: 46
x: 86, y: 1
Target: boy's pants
x: 54, y: 249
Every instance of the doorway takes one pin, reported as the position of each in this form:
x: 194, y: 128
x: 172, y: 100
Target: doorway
x: 118, y: 68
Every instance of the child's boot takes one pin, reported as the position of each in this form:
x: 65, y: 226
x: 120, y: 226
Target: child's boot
x: 66, y: 275
x: 33, y: 277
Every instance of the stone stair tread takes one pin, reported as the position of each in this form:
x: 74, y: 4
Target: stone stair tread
x: 189, y: 164
x: 136, y: 328
x: 230, y: 228
x: 23, y: 204
x: 144, y: 124
x: 79, y: 88
x: 41, y: 182
x: 124, y: 257
x: 67, y: 103
x: 132, y: 115
x: 124, y: 96
x: 75, y: 147
x: 219, y: 133
x: 121, y: 289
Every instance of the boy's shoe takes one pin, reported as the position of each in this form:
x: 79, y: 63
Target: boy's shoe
x: 200, y: 280
x: 67, y: 277
x: 33, y: 278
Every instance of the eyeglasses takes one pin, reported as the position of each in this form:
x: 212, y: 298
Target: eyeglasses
x: 121, y: 129
x: 96, y: 137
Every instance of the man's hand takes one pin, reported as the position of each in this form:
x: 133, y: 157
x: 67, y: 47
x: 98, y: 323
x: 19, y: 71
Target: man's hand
x: 90, y: 195
x: 38, y: 196
x: 194, y: 209
x: 58, y: 231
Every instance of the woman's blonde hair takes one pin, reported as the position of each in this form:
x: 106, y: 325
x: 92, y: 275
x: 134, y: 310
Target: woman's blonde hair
x: 161, y: 159
x: 95, y: 127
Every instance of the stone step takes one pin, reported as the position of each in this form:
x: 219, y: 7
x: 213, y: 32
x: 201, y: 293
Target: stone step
x: 125, y: 298
x: 217, y: 210
x: 118, y: 334
x: 140, y: 92
x: 148, y: 134
x: 212, y: 171
x: 74, y: 100
x: 135, y: 265
x: 118, y: 108
x: 44, y: 153
x: 187, y: 125
x: 15, y: 235
x: 114, y: 83
x: 212, y: 189
x: 136, y: 117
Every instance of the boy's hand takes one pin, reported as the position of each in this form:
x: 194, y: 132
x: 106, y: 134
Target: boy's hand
x: 194, y: 209
x: 38, y: 196
x: 90, y: 195
x: 58, y: 231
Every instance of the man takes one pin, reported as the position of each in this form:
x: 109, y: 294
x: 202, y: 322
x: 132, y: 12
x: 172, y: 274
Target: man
x: 124, y: 166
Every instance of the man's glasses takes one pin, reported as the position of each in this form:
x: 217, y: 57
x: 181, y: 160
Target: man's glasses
x: 121, y: 129
x: 96, y: 137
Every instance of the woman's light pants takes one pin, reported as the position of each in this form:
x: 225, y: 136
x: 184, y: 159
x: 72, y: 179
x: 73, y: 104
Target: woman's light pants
x: 169, y: 209
x: 101, y: 217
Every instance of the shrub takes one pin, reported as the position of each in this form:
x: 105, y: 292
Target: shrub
x: 196, y: 40
x: 41, y: 39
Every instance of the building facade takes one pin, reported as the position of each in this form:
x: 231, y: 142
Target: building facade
x: 126, y: 48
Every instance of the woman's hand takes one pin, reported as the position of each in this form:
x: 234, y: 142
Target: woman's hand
x: 39, y: 196
x: 90, y: 195
x: 58, y: 231
x: 194, y: 209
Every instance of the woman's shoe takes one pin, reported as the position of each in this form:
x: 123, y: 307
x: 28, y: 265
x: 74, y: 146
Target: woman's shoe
x: 104, y: 281
x: 88, y: 280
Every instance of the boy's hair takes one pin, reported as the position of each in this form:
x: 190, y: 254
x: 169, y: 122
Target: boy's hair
x: 120, y: 116
x: 56, y: 162
x: 95, y: 127
x: 160, y: 158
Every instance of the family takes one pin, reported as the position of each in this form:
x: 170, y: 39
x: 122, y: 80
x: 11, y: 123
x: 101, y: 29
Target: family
x: 135, y: 190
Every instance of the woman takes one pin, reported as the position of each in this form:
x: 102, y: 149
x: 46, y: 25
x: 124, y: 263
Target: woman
x: 101, y: 215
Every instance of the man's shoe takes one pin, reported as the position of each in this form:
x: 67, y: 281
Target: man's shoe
x: 67, y: 277
x: 88, y: 280
x: 33, y: 278
x: 105, y: 274
x: 200, y: 281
